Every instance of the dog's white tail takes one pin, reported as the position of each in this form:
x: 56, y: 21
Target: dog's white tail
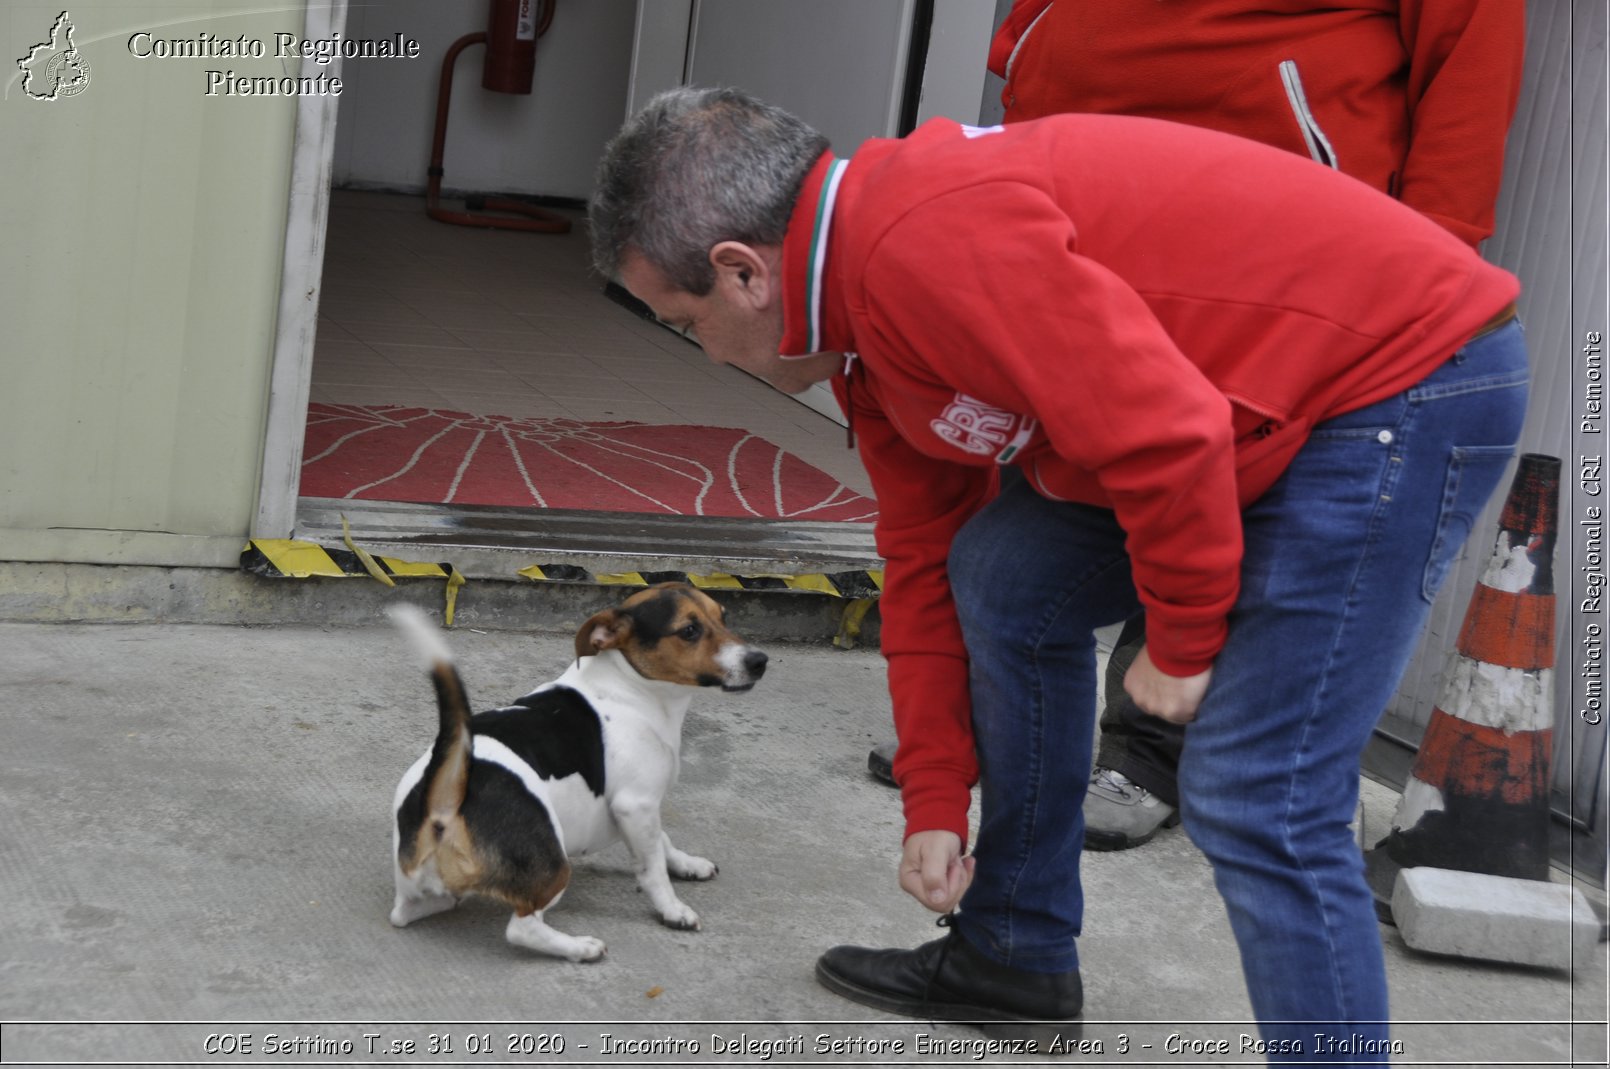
x: 422, y: 634
x: 447, y: 774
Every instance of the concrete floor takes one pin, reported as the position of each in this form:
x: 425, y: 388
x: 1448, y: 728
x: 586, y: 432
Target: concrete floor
x: 195, y: 844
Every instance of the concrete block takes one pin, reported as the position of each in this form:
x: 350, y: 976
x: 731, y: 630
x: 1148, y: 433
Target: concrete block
x: 1494, y: 918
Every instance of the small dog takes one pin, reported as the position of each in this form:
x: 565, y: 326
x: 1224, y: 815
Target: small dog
x: 505, y: 797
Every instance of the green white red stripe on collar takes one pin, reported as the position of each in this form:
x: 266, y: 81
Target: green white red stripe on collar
x: 816, y: 263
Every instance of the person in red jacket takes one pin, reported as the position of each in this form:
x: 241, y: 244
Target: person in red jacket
x: 1413, y: 97
x: 1252, y: 395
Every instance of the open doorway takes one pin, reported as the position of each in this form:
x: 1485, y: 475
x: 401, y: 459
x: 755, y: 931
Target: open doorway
x: 462, y: 379
x: 480, y: 367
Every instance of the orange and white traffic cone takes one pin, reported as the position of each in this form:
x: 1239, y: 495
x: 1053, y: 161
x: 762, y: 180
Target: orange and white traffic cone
x: 1477, y: 796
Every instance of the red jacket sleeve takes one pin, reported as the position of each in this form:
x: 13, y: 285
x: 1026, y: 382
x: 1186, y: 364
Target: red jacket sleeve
x: 1029, y: 325
x: 922, y: 503
x: 1465, y: 60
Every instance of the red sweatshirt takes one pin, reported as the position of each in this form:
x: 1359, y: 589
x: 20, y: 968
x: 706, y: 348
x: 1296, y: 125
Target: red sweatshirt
x: 1143, y: 316
x: 1413, y: 97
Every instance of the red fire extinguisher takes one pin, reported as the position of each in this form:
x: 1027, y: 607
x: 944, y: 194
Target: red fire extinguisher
x: 511, y: 64
x: 511, y: 44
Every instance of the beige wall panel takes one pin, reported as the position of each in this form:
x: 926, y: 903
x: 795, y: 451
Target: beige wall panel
x: 144, y: 222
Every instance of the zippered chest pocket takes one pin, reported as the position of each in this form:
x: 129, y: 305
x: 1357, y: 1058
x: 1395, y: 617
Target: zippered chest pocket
x: 1319, y: 146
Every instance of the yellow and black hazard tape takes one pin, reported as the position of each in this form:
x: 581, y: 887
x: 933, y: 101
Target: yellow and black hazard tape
x: 860, y: 588
x: 283, y: 558
x: 856, y: 584
x: 280, y: 558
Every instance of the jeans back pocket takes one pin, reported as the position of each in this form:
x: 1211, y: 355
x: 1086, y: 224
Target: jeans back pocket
x: 1473, y: 474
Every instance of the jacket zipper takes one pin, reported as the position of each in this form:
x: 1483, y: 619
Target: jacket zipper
x: 849, y: 401
x: 1021, y: 41
x: 1038, y: 480
x: 1319, y: 146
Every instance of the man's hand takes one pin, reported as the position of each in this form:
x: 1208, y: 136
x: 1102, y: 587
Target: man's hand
x: 1174, y: 698
x: 933, y: 871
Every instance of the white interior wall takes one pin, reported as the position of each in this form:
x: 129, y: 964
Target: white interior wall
x: 840, y: 65
x: 958, y: 47
x: 546, y: 143
x: 659, y: 50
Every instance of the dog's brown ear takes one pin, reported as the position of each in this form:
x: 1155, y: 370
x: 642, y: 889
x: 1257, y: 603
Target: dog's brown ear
x: 604, y: 631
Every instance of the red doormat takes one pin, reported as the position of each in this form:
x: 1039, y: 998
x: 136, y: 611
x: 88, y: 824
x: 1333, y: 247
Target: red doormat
x: 394, y: 453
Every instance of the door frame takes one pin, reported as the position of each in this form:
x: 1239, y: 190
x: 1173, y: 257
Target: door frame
x: 307, y: 221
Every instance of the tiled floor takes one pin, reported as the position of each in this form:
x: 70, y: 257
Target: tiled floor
x: 494, y: 322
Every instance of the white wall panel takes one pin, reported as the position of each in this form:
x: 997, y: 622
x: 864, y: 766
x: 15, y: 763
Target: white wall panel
x: 546, y: 143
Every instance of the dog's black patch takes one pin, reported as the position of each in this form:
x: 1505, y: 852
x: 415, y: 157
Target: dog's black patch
x: 513, y: 832
x: 410, y: 815
x: 655, y: 618
x: 555, y: 731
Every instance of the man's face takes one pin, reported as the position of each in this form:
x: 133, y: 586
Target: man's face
x: 739, y: 322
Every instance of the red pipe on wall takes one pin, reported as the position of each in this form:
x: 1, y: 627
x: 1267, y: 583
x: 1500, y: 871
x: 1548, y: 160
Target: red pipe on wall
x: 510, y: 66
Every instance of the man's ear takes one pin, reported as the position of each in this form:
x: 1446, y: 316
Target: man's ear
x: 604, y: 631
x: 747, y: 272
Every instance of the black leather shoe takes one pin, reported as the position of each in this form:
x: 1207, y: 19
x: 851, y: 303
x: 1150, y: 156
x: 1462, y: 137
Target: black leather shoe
x: 949, y: 980
x: 880, y: 762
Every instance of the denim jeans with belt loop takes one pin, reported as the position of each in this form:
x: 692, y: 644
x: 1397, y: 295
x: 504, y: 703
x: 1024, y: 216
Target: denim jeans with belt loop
x: 1343, y: 557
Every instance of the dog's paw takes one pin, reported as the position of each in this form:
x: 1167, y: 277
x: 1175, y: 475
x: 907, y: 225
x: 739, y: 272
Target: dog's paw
x: 681, y: 918
x: 406, y: 911
x: 689, y: 867
x: 585, y: 948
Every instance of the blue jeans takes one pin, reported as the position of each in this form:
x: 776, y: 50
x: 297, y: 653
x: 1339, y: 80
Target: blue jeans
x: 1344, y: 555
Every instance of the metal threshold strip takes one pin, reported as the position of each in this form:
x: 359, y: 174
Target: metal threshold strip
x: 495, y: 542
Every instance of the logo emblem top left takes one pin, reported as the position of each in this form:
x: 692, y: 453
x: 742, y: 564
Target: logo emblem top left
x: 55, y: 69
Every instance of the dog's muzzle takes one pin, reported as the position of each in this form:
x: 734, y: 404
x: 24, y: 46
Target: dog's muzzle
x: 749, y: 666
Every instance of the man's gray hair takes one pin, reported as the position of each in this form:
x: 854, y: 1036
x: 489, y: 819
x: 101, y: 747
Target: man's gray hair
x: 693, y: 168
